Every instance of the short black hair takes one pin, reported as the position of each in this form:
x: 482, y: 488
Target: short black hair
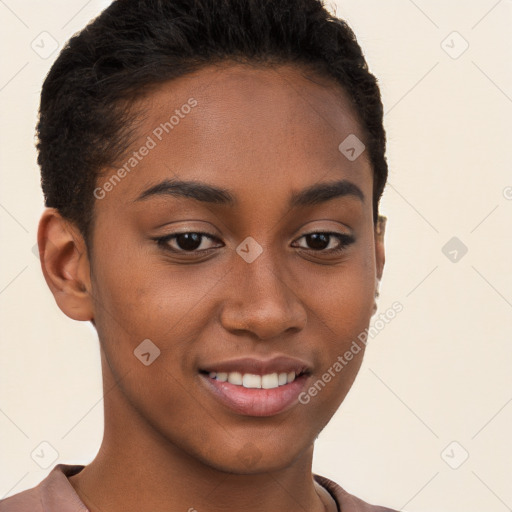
x: 85, y: 122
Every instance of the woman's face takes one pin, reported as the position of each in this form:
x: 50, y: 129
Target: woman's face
x: 269, y: 280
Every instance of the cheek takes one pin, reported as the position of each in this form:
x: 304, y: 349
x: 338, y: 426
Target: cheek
x: 343, y: 298
x: 138, y: 302
x: 139, y: 312
x: 141, y: 296
x: 341, y: 309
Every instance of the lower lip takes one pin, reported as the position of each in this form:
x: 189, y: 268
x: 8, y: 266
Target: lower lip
x: 256, y: 401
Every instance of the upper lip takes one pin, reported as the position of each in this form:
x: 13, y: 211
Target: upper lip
x: 277, y: 364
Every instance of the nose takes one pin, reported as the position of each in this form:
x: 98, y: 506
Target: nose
x: 262, y: 300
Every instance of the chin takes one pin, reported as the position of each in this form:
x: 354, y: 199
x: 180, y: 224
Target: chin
x: 249, y: 459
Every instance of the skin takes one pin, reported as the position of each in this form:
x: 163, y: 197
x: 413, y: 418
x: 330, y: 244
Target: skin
x: 262, y: 134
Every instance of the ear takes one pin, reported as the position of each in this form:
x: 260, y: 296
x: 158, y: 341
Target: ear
x: 380, y: 255
x: 65, y: 265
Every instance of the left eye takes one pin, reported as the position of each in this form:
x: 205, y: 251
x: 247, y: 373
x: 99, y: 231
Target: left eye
x: 323, y: 241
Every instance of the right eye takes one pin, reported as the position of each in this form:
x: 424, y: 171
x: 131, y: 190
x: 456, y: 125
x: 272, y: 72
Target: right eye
x: 185, y: 242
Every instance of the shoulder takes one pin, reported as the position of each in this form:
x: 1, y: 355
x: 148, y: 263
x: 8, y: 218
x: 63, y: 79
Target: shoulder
x: 25, y: 501
x: 347, y: 502
x: 53, y: 493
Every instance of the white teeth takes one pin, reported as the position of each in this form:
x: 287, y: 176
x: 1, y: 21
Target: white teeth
x: 270, y: 381
x: 252, y: 381
x: 235, y: 378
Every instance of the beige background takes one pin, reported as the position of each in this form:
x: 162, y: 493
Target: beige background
x: 438, y: 373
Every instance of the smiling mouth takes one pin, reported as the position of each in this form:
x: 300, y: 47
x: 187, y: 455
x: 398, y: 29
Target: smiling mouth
x: 250, y: 394
x: 253, y: 386
x: 254, y: 381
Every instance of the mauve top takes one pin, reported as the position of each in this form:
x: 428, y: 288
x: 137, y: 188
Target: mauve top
x: 56, y: 494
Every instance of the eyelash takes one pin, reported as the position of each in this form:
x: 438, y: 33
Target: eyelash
x: 344, y: 242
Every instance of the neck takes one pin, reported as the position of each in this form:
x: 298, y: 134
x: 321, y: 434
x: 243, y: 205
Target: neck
x: 138, y: 469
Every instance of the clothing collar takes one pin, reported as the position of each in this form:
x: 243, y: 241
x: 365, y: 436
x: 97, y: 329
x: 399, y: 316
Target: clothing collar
x: 57, y: 493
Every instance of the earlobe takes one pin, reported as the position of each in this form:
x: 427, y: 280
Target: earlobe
x: 65, y: 265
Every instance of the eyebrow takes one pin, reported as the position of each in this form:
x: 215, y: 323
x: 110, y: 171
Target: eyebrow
x: 200, y: 191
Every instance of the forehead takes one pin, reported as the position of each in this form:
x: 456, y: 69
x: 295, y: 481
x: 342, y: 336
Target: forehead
x: 236, y: 125
x: 256, y: 96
